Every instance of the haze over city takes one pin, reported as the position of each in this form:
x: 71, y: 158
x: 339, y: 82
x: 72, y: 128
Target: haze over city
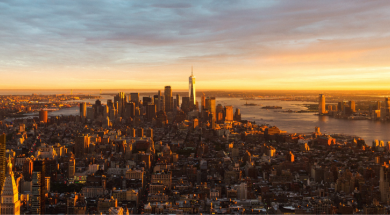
x: 232, y: 45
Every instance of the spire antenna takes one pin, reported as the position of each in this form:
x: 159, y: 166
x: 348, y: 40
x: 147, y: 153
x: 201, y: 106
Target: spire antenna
x: 192, y: 73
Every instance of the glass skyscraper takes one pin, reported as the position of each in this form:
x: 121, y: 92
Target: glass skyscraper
x: 191, y: 88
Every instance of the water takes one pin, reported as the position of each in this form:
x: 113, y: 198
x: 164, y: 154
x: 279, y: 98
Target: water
x: 290, y: 122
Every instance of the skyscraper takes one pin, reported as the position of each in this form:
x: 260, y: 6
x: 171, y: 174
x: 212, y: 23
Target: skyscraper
x: 228, y: 113
x: 185, y: 104
x: 387, y: 107
x: 150, y: 112
x: 159, y: 101
x: 81, y: 146
x: 130, y: 109
x: 83, y: 110
x: 10, y: 203
x: 43, y: 116
x: 71, y: 167
x: 121, y: 99
x: 134, y: 97
x: 168, y: 98
x: 177, y: 100
x: 352, y: 106
x: 38, y: 189
x: 210, y: 105
x: 321, y: 104
x: 191, y: 88
x: 203, y: 102
x: 2, y: 160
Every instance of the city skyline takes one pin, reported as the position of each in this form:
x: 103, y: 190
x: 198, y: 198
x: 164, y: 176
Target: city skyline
x: 256, y: 45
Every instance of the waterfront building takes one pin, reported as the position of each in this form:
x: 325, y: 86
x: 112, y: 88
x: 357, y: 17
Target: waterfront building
x: 43, y: 116
x: 83, y: 110
x: 229, y: 113
x: 321, y: 104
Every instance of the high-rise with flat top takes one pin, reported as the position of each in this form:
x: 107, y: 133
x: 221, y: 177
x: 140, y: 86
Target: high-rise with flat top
x: 191, y: 88
x: 321, y: 104
x: 38, y: 189
x: 43, y: 116
x: 134, y: 97
x: 83, y: 110
x: 168, y: 98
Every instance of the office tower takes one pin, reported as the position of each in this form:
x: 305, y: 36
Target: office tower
x: 97, y: 108
x: 220, y: 113
x: 71, y: 167
x: 384, y: 183
x: 210, y: 105
x: 229, y: 113
x: 134, y: 97
x: 10, y: 203
x: 203, y: 102
x: 27, y: 169
x: 330, y: 108
x: 90, y: 113
x: 212, y: 120
x: 352, y: 106
x: 43, y: 116
x: 130, y: 109
x: 81, y: 146
x: 38, y: 189
x: 83, y: 110
x: 378, y: 105
x: 150, y: 112
x: 321, y: 105
x: 185, y: 104
x: 146, y: 101
x: 387, y: 107
x: 168, y: 98
x: 237, y: 115
x: 110, y: 104
x: 155, y: 101
x: 191, y: 88
x: 121, y: 99
x: 159, y: 101
x: 106, y: 111
x: 2, y: 159
x: 177, y: 100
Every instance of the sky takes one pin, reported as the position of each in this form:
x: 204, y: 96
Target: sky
x: 232, y: 45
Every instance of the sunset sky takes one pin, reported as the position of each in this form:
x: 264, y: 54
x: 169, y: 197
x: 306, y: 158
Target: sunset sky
x: 231, y: 44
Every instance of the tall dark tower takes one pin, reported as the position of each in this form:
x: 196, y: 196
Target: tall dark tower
x: 38, y: 188
x: 121, y: 99
x: 177, y: 100
x: 168, y: 98
x: 134, y: 97
x: 2, y: 160
x: 83, y: 110
x: 191, y: 89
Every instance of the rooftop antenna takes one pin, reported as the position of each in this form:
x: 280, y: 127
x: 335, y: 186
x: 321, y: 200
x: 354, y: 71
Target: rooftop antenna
x: 192, y: 71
